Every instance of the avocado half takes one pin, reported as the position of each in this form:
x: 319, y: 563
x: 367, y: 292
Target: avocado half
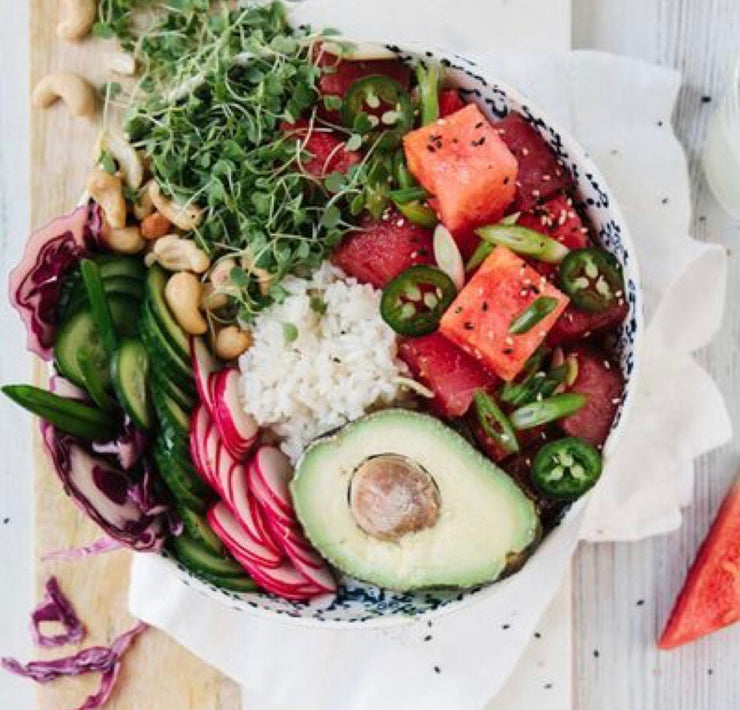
x: 400, y: 500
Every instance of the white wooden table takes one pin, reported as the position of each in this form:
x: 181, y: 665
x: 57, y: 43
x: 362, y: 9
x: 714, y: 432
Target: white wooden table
x: 623, y: 593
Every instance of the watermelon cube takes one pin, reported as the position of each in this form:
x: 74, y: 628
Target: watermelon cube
x: 384, y: 248
x: 464, y: 163
x: 541, y: 174
x: 480, y: 317
x: 447, y: 371
x: 449, y: 102
x: 325, y: 147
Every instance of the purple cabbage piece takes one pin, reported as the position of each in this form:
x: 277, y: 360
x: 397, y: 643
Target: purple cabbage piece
x: 36, y: 282
x: 96, y: 659
x: 56, y: 607
x: 128, y: 448
x: 98, y: 547
x: 103, y: 492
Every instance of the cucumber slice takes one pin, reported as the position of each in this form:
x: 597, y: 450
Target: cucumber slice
x: 99, y: 305
x: 170, y: 413
x: 155, y: 284
x: 130, y: 374
x: 183, y: 482
x: 126, y: 313
x: 197, y: 528
x: 115, y: 286
x: 94, y: 384
x: 67, y: 415
x: 129, y: 266
x: 201, y: 560
x: 162, y: 352
x: 233, y: 584
x: 160, y: 381
x: 76, y: 335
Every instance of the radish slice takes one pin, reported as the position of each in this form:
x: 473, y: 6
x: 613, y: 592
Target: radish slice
x: 209, y: 446
x: 238, y: 429
x: 203, y: 365
x: 225, y: 463
x: 249, y: 515
x: 241, y: 545
x: 264, y: 529
x: 448, y: 257
x: 198, y: 424
x: 273, y: 468
x: 265, y: 498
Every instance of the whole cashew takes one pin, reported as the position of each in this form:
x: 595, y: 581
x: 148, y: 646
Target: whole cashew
x: 107, y: 191
x: 182, y: 294
x: 154, y: 226
x: 77, y: 17
x: 127, y: 240
x: 185, y: 217
x: 221, y: 273
x: 264, y: 277
x: 120, y: 63
x: 231, y: 342
x: 179, y: 254
x: 77, y: 93
x: 127, y: 158
x: 212, y: 300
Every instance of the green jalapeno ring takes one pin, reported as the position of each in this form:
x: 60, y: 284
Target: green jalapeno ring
x: 592, y: 278
x: 566, y: 469
x: 413, y: 302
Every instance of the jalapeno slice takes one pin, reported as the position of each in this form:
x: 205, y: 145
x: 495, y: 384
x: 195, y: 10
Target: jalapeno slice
x: 377, y: 103
x: 592, y: 278
x: 494, y: 422
x: 413, y: 303
x: 566, y: 469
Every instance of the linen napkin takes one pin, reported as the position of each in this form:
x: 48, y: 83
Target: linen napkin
x: 620, y: 111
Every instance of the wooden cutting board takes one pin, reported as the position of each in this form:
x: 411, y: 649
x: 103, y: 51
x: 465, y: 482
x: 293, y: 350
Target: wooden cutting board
x: 157, y: 673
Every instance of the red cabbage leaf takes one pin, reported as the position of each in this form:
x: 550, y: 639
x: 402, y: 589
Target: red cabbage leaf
x: 56, y: 607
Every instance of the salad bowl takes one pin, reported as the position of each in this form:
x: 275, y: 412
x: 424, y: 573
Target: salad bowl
x: 360, y: 603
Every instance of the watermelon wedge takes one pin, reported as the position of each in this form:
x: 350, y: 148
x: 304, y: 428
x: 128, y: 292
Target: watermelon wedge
x: 710, y: 598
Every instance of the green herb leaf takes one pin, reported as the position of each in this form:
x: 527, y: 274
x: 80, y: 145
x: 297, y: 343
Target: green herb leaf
x: 290, y: 332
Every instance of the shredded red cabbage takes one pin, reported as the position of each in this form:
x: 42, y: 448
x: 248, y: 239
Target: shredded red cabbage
x: 128, y: 448
x: 96, y: 659
x: 56, y: 607
x: 98, y: 547
x: 36, y: 281
x: 103, y: 492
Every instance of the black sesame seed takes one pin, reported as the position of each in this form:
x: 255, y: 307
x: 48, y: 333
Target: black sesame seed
x: 664, y: 201
x: 660, y: 124
x: 506, y: 180
x: 710, y: 671
x: 505, y: 626
x: 706, y: 99
x: 429, y: 623
x: 468, y: 325
x: 537, y: 635
x: 479, y: 124
x: 437, y: 669
x: 596, y: 653
x: 428, y: 637
x: 507, y: 351
x: 548, y: 686
x: 431, y: 148
x: 640, y: 602
x: 484, y: 306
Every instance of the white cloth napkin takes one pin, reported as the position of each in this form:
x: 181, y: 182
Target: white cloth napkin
x: 615, y: 107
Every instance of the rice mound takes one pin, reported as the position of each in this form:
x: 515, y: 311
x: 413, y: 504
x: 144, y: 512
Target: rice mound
x: 340, y: 364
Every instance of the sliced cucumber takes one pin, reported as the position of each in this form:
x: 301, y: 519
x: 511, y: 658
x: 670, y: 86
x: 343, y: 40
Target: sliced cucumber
x: 155, y: 284
x: 76, y: 335
x: 129, y: 266
x: 130, y: 374
x: 197, y: 527
x: 163, y: 354
x: 94, y: 384
x: 115, y: 286
x: 170, y: 413
x: 99, y: 307
x: 183, y: 482
x: 233, y: 584
x: 200, y: 559
x: 161, y: 381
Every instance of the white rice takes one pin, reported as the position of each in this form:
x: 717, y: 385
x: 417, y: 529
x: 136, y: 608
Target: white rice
x: 340, y: 365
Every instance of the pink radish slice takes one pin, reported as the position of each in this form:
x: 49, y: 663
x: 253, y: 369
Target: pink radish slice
x: 209, y: 446
x: 260, y: 518
x: 305, y: 559
x: 196, y: 422
x: 243, y: 547
x: 264, y: 497
x: 274, y: 469
x: 285, y: 581
x: 238, y: 429
x: 242, y: 508
x: 203, y: 365
x: 225, y: 463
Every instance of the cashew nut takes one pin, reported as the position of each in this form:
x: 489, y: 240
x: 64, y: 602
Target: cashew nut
x: 76, y: 18
x: 154, y: 226
x: 127, y: 158
x: 120, y: 63
x: 221, y: 273
x: 107, y: 191
x: 212, y: 300
x: 77, y: 93
x: 182, y: 294
x: 143, y: 206
x: 125, y: 241
x: 264, y: 277
x: 179, y: 254
x: 231, y: 342
x: 186, y: 217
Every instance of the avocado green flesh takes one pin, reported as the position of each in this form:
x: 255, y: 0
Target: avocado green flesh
x: 484, y: 520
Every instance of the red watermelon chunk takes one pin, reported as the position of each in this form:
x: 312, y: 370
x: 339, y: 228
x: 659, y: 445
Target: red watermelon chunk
x: 601, y: 381
x: 446, y: 370
x: 541, y: 174
x: 383, y: 249
x: 479, y: 318
x: 449, y: 102
x: 710, y: 598
x: 576, y: 325
x: 326, y: 148
x: 466, y: 166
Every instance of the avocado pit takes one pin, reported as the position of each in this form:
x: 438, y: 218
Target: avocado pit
x: 391, y: 496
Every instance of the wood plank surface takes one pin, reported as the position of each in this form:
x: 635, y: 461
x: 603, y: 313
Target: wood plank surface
x: 157, y: 673
x: 699, y: 38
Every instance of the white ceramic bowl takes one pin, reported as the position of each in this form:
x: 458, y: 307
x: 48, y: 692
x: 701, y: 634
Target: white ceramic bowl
x: 358, y: 603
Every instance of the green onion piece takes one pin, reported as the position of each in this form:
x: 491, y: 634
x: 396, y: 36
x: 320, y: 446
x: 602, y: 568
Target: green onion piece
x: 481, y: 253
x: 494, y: 422
x: 524, y: 241
x: 417, y: 213
x: 67, y: 415
x: 554, y: 379
x: 547, y: 410
x: 525, y: 388
x: 537, y: 310
x: 99, y: 305
x: 401, y: 172
x: 429, y: 80
x: 408, y: 194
